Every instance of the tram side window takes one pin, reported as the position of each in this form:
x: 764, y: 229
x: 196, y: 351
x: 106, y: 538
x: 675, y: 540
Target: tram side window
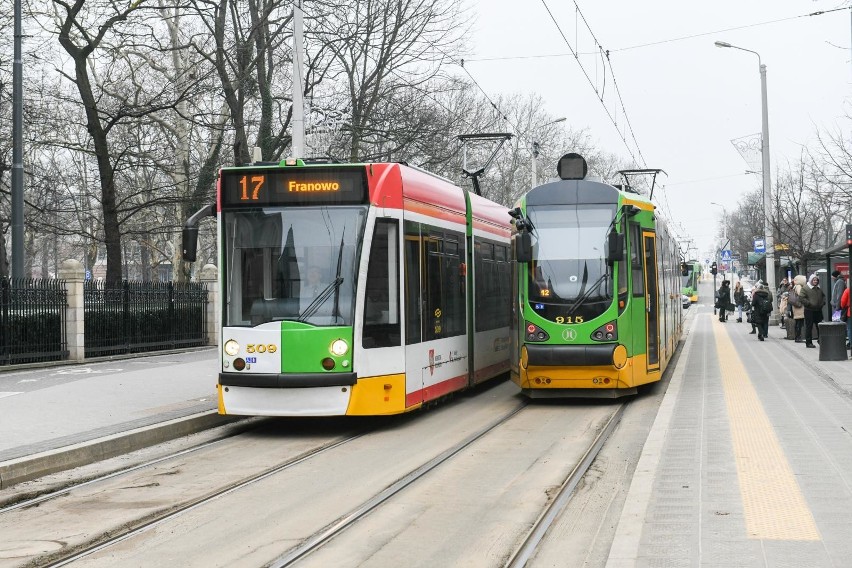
x: 492, y: 275
x: 381, y: 307
x: 636, y: 257
x: 503, y: 313
x: 412, y: 283
x: 445, y: 298
x: 438, y: 308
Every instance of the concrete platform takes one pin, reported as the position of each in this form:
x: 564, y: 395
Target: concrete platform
x: 749, y: 461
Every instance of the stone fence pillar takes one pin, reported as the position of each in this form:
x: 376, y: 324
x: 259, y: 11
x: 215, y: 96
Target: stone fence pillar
x: 209, y: 277
x: 73, y: 273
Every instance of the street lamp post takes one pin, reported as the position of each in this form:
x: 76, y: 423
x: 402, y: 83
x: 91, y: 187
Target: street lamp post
x: 724, y: 227
x: 535, y: 151
x: 769, y: 240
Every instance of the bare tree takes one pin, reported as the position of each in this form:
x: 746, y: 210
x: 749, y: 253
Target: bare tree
x: 109, y: 96
x: 798, y: 222
x: 382, y: 49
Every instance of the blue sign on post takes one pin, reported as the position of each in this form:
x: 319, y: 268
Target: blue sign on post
x: 759, y: 245
x: 725, y: 255
x: 88, y: 275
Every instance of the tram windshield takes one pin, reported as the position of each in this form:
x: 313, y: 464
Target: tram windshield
x: 688, y: 278
x: 291, y: 263
x: 569, y: 278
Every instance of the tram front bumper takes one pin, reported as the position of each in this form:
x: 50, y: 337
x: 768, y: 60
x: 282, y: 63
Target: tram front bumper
x: 581, y: 367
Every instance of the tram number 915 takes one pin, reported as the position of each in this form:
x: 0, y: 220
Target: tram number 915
x: 569, y: 319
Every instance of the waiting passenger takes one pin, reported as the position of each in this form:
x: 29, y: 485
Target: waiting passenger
x: 798, y: 310
x: 739, y: 300
x: 813, y: 300
x: 761, y: 307
x: 723, y: 299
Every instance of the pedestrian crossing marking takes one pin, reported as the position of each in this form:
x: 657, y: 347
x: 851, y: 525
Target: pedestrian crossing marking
x: 774, y: 506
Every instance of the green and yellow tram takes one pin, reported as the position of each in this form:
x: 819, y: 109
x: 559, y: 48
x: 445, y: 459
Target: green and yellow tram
x: 597, y: 303
x: 690, y: 273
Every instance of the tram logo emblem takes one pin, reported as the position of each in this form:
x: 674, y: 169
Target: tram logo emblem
x: 569, y: 335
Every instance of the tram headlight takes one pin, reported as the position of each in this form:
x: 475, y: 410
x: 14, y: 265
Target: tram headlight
x: 339, y: 347
x: 232, y: 347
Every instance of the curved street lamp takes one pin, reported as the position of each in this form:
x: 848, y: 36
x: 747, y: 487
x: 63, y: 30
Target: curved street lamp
x: 767, y: 186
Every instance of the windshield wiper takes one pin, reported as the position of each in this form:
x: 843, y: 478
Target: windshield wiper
x: 320, y: 299
x: 336, y: 312
x: 592, y: 289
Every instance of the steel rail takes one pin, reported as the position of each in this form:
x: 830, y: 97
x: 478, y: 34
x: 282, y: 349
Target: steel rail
x: 241, y: 428
x: 566, y: 491
x: 196, y: 503
x: 315, y: 541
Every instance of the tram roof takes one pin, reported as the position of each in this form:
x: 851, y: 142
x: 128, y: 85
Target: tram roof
x: 576, y: 192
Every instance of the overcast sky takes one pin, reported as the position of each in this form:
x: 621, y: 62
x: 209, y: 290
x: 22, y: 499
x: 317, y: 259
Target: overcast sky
x: 686, y: 99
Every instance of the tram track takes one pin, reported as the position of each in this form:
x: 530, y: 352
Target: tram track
x: 461, y: 471
x: 67, y: 489
x: 166, y: 516
x: 318, y: 539
x: 531, y: 543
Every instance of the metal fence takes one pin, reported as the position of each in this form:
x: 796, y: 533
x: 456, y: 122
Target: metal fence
x: 131, y: 317
x: 32, y: 320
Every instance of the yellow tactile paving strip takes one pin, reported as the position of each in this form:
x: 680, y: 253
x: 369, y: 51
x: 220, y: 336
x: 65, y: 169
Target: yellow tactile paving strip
x: 774, y: 507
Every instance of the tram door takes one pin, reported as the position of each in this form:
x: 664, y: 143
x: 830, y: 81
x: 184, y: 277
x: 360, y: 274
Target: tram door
x: 652, y: 313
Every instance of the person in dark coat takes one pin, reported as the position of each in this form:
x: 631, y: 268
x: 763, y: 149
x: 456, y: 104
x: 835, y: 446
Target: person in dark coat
x: 723, y: 299
x: 761, y: 307
x: 813, y: 299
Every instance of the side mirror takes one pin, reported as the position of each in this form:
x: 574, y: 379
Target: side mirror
x: 615, y: 247
x: 190, y: 243
x: 523, y: 247
x: 190, y: 232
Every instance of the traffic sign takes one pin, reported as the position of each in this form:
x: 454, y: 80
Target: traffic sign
x: 759, y: 245
x: 88, y: 275
x: 725, y: 255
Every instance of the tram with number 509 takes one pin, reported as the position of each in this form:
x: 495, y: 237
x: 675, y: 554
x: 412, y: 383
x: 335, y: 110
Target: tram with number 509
x: 597, y: 302
x: 355, y: 289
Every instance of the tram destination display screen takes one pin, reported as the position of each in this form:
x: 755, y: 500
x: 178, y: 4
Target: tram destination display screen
x: 281, y: 186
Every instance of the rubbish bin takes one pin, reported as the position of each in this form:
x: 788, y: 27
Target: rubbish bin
x: 832, y: 341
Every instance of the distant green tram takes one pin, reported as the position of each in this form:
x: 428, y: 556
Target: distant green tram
x: 690, y: 273
x: 597, y: 306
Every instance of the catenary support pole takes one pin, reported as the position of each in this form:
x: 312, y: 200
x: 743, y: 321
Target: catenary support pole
x: 17, y: 152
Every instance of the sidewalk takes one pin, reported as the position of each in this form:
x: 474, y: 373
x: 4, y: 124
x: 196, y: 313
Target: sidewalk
x: 749, y: 461
x: 55, y: 418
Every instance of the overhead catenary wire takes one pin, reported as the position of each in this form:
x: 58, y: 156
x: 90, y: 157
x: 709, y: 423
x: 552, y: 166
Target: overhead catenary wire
x: 660, y: 42
x: 594, y: 87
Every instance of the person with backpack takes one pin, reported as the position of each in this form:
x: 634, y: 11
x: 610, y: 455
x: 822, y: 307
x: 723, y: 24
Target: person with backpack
x: 798, y: 310
x: 813, y: 299
x: 761, y: 306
